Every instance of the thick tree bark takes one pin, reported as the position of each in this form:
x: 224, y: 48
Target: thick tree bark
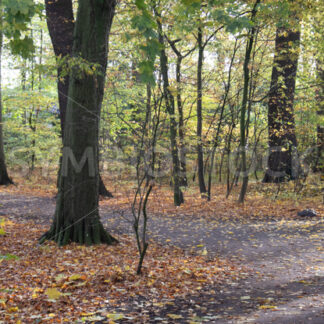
x: 4, y: 178
x: 170, y: 107
x: 281, y: 123
x: 77, y: 217
x: 202, y: 186
x: 60, y: 22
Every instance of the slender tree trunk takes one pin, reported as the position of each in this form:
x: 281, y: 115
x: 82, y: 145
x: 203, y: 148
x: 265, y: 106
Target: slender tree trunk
x: 182, y: 145
x: 170, y: 107
x: 221, y: 167
x: 215, y: 145
x: 23, y: 76
x: 60, y: 22
x: 216, y: 138
x: 246, y: 71
x: 148, y: 106
x: 33, y: 128
x: 319, y: 163
x: 228, y: 151
x: 281, y: 123
x: 40, y: 61
x: 201, y: 179
x: 4, y: 178
x: 77, y: 217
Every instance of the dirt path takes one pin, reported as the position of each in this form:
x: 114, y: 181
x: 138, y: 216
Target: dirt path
x: 288, y: 257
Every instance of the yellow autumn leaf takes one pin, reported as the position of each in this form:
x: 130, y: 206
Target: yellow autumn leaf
x: 204, y: 252
x: 174, y: 316
x: 173, y: 90
x: 115, y: 317
x: 53, y: 293
x: 87, y: 314
x: 74, y: 277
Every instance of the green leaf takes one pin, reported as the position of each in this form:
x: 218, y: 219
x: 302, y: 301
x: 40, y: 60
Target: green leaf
x: 191, y: 2
x: 146, y: 69
x: 140, y: 4
x: 17, y: 14
x: 23, y: 47
x: 9, y: 257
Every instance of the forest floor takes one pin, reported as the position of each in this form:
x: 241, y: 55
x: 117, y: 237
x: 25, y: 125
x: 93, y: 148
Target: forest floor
x: 215, y: 262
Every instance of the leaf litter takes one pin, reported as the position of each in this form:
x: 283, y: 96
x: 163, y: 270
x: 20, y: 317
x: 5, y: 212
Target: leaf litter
x: 74, y: 282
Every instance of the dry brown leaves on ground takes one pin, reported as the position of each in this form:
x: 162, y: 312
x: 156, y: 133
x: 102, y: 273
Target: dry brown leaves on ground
x: 257, y: 205
x: 260, y: 202
x: 52, y: 284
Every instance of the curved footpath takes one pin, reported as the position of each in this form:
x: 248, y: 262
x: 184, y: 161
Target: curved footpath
x: 287, y: 256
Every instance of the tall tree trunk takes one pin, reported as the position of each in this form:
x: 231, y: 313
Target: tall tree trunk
x: 182, y: 145
x: 281, y: 123
x: 60, y: 22
x: 40, y: 61
x: 216, y: 138
x: 202, y: 186
x: 319, y: 163
x: 4, y: 178
x: 170, y: 107
x: 76, y: 216
x: 228, y: 153
x: 243, y: 124
x: 32, y: 126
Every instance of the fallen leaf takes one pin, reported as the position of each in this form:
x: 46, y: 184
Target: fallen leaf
x: 174, y: 316
x: 53, y: 293
x: 115, y: 317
